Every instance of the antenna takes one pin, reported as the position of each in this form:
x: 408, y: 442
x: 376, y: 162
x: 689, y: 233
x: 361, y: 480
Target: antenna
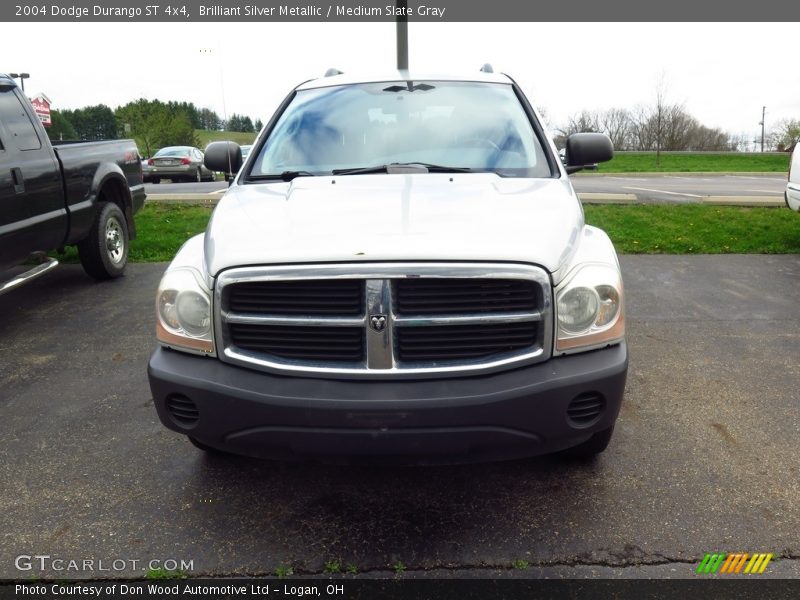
x: 402, y: 34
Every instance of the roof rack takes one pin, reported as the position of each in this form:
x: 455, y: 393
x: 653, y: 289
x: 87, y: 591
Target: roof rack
x: 487, y: 68
x: 331, y: 72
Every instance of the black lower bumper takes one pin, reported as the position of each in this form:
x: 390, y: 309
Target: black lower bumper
x: 523, y: 412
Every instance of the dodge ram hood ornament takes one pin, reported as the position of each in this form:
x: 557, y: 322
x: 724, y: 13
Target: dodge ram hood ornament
x: 377, y: 322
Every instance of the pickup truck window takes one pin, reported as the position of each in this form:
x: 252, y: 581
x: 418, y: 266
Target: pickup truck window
x: 469, y: 125
x: 17, y: 122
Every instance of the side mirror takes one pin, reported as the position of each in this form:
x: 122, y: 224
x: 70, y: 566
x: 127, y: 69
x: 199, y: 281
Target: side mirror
x: 223, y: 156
x: 586, y: 149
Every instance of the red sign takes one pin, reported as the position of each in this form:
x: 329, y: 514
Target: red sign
x: 42, y: 109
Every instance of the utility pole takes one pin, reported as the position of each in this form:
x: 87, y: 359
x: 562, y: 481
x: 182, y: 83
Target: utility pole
x: 763, y: 114
x: 402, y: 34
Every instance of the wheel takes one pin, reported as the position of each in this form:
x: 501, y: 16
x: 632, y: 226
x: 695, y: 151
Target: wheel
x: 210, y: 176
x: 591, y: 447
x: 156, y: 180
x: 104, y: 252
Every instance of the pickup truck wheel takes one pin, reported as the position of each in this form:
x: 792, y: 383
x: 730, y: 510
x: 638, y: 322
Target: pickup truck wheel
x: 591, y: 447
x: 104, y: 252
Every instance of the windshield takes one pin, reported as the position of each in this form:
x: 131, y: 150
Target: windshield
x: 477, y: 126
x: 173, y: 152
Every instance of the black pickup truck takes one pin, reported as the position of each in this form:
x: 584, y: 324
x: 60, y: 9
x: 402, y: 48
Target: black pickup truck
x: 83, y: 194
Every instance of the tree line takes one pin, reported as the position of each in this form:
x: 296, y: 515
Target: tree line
x: 661, y: 126
x: 669, y: 127
x: 152, y: 123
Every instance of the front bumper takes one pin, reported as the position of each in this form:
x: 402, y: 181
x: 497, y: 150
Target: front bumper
x: 173, y: 171
x: 791, y: 196
x: 523, y: 412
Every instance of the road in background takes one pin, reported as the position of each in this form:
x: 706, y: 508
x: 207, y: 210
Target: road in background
x: 754, y: 189
x: 683, y: 188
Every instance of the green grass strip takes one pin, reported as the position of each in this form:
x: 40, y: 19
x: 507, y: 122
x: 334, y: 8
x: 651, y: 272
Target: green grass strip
x: 634, y: 229
x: 697, y: 229
x: 732, y: 162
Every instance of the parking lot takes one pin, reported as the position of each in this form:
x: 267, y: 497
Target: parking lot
x: 704, y: 458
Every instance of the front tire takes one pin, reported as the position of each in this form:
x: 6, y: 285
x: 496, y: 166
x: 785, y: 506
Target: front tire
x: 104, y: 252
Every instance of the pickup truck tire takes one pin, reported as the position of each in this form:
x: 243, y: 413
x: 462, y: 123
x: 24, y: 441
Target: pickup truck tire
x: 104, y: 252
x: 591, y: 447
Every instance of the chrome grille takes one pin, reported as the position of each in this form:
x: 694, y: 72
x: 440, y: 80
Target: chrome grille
x: 336, y: 344
x: 460, y: 342
x: 332, y: 297
x: 378, y: 320
x: 454, y: 296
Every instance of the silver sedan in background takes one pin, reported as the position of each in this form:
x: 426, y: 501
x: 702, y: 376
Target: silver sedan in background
x: 178, y: 163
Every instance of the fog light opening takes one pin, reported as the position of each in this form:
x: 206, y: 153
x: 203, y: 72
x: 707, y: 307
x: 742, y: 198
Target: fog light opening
x: 182, y: 410
x: 586, y: 409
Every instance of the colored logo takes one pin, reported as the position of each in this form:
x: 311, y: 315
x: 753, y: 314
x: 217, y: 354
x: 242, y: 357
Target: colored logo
x: 735, y: 563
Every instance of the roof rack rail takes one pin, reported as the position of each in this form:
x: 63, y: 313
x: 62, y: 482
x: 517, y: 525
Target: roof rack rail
x: 331, y: 72
x: 487, y: 68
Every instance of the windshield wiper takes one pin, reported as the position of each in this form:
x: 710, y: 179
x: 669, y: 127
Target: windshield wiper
x: 408, y: 167
x: 285, y: 176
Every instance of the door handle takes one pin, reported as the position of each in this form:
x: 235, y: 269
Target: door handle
x: 19, y: 180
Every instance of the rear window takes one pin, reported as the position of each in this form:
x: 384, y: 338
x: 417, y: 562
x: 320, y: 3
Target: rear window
x: 19, y: 126
x: 479, y: 126
x: 173, y: 152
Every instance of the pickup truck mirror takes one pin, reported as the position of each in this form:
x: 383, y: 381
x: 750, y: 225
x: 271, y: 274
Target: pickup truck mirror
x: 586, y: 149
x: 223, y: 156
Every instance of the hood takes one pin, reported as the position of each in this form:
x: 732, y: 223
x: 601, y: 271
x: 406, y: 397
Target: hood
x: 409, y: 217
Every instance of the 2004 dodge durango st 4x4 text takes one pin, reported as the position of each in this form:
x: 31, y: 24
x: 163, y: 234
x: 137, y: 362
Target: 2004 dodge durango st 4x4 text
x: 400, y: 270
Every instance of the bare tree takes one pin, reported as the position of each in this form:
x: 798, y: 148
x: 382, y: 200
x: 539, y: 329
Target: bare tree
x: 616, y: 124
x: 583, y: 122
x: 641, y: 129
x: 659, y: 115
x: 785, y: 135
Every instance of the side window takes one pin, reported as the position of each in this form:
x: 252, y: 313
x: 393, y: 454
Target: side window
x: 19, y: 126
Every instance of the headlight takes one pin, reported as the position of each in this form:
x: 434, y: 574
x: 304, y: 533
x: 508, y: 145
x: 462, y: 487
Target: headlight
x: 183, y: 308
x: 589, y: 306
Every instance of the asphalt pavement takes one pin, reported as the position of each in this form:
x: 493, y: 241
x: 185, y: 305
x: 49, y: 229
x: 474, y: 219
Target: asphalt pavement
x: 704, y: 457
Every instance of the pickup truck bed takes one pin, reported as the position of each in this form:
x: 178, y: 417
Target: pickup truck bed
x: 76, y: 193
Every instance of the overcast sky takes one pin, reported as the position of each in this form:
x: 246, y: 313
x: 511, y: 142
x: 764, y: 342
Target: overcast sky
x: 722, y: 73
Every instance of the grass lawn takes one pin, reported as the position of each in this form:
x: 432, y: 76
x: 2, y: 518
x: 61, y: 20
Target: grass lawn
x: 206, y: 137
x: 624, y: 162
x: 697, y: 229
x: 161, y: 229
x: 634, y: 229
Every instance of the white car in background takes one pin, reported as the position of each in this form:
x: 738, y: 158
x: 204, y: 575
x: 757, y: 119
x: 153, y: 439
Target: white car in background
x: 792, y: 193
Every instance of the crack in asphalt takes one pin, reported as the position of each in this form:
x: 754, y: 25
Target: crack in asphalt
x: 299, y: 572
x: 656, y: 560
